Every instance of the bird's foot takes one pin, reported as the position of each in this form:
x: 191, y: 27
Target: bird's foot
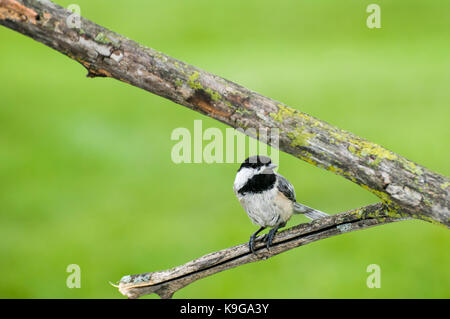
x: 251, y: 243
x: 270, y: 237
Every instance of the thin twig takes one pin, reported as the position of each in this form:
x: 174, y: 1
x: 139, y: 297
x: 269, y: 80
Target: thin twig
x: 166, y: 283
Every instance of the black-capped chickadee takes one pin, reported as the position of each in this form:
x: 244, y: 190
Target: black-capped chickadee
x: 267, y: 197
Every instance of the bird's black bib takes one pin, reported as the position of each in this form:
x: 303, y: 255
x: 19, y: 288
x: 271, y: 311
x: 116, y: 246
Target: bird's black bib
x: 258, y: 184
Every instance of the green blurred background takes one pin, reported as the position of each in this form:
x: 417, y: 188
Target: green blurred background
x: 86, y: 175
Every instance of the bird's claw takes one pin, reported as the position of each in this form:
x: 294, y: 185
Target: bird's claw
x: 269, y: 238
x: 251, y: 244
x: 253, y: 239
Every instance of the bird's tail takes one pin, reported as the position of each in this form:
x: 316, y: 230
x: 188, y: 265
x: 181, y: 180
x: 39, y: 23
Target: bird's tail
x: 309, y: 212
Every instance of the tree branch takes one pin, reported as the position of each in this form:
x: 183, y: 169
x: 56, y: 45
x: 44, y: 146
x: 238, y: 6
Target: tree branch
x: 166, y: 283
x: 400, y: 183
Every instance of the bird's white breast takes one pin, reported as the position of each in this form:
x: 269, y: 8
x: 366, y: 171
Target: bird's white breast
x: 268, y: 208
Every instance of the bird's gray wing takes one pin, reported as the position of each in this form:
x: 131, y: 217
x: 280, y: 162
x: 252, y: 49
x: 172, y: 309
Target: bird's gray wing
x: 286, y: 188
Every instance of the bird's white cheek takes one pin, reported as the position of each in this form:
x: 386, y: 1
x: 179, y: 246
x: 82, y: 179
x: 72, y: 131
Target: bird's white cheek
x: 241, y: 178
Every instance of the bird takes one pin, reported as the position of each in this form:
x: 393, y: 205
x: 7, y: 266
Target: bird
x: 267, y: 197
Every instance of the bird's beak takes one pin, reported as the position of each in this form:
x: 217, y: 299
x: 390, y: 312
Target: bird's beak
x: 269, y: 169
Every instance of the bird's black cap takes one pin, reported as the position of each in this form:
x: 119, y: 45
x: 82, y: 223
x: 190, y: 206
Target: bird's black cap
x: 256, y: 162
